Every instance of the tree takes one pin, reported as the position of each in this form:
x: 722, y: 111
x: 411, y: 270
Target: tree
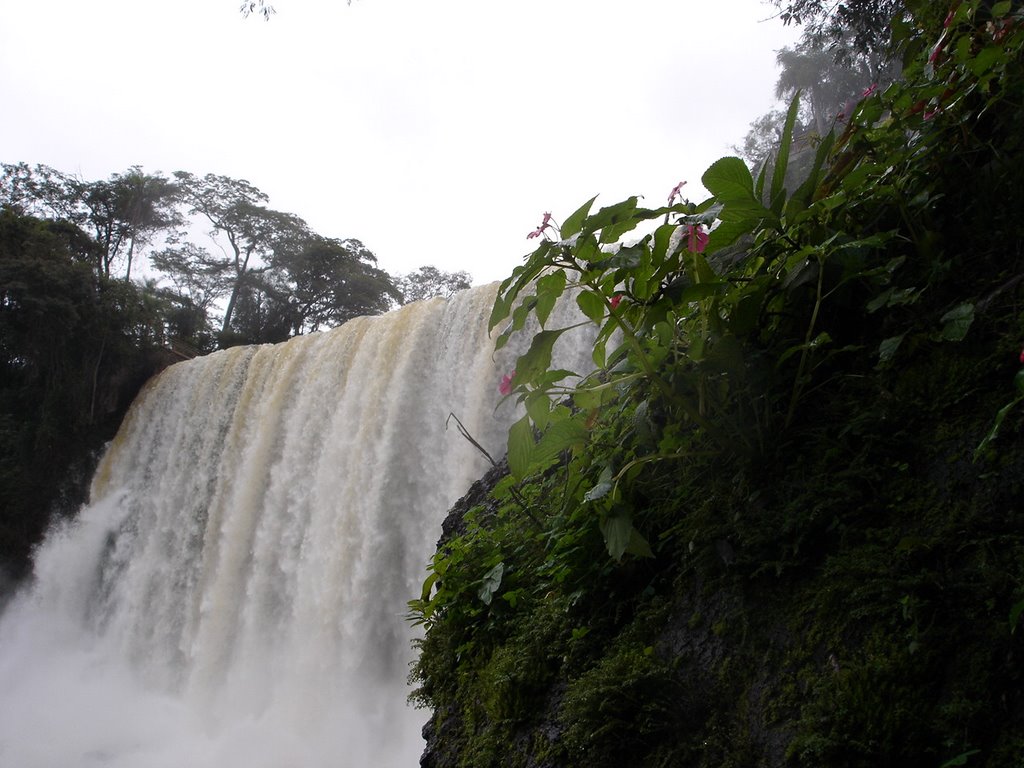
x: 863, y: 26
x: 257, y: 237
x: 74, y: 349
x: 333, y: 281
x: 763, y: 138
x: 427, y: 282
x: 143, y: 204
x: 123, y: 213
x: 275, y: 275
x: 824, y: 84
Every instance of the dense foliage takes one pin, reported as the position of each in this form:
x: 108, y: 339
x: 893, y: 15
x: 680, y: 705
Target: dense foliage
x: 74, y: 348
x: 779, y: 523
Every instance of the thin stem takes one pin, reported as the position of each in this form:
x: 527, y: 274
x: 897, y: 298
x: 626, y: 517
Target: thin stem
x: 805, y: 352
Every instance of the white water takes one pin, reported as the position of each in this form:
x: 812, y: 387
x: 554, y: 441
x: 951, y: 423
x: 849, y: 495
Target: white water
x: 234, y: 595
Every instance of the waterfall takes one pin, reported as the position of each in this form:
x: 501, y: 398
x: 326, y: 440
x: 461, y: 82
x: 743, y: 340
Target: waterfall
x: 234, y: 593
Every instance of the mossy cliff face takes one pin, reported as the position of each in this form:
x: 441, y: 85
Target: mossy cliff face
x: 782, y: 526
x: 849, y: 606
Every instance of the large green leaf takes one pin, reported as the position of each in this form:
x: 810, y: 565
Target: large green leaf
x: 730, y: 181
x: 620, y: 537
x: 549, y: 289
x: 520, y: 447
x: 592, y: 305
x: 537, y: 358
x: 957, y: 322
x: 491, y: 583
x: 574, y: 223
x: 782, y: 159
x: 610, y: 216
x: 604, y: 485
x: 560, y: 436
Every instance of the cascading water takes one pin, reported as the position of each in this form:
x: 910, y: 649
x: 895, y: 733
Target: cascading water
x: 234, y: 594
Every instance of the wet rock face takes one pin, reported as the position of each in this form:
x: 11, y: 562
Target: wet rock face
x: 478, y: 495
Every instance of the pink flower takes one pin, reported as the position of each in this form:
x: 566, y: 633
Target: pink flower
x: 614, y: 301
x: 677, y: 191
x: 696, y: 238
x: 506, y: 383
x: 1022, y: 357
x: 869, y: 90
x: 545, y: 224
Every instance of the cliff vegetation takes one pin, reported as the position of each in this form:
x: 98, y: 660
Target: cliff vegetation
x: 779, y: 525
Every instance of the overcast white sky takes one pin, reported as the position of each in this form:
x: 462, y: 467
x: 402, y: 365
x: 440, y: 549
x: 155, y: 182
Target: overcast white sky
x: 435, y: 131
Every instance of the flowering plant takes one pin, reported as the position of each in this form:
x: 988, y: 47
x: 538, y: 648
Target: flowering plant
x: 696, y: 315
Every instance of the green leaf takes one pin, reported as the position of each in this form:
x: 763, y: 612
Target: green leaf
x: 638, y: 545
x: 1015, y: 613
x: 521, y: 277
x: 887, y: 349
x: 491, y: 583
x: 702, y: 291
x: 728, y: 232
x: 782, y: 161
x: 996, y: 424
x: 428, y: 585
x: 617, y: 532
x: 960, y: 759
x: 729, y: 178
x: 730, y: 181
x: 610, y: 215
x: 574, y: 223
x: 604, y: 485
x: 985, y: 59
x: 759, y: 183
x: 957, y: 322
x: 538, y: 408
x: 804, y: 194
x: 620, y: 537
x: 549, y: 289
x: 519, y: 318
x: 520, y: 447
x: 538, y: 357
x: 560, y: 436
x: 592, y: 305
x: 595, y: 396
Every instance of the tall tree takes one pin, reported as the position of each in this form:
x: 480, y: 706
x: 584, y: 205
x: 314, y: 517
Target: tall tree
x: 143, y: 205
x: 825, y: 85
x: 256, y: 236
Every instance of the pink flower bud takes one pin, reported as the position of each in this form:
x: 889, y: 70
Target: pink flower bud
x: 506, y: 383
x: 697, y: 238
x: 545, y: 224
x: 677, y: 191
